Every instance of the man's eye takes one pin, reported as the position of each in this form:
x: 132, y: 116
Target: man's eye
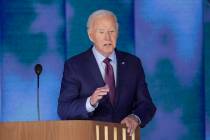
x: 112, y: 31
x: 101, y: 32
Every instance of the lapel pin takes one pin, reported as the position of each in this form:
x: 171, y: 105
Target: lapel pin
x: 123, y: 62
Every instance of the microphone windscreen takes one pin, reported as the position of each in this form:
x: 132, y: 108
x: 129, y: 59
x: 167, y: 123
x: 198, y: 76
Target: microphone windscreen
x: 38, y: 69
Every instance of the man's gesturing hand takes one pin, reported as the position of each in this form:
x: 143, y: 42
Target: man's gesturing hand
x: 98, y: 95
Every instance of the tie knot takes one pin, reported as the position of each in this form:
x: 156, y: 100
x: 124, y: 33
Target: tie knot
x: 107, y: 60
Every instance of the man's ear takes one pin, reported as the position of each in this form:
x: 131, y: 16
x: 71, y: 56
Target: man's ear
x: 90, y: 35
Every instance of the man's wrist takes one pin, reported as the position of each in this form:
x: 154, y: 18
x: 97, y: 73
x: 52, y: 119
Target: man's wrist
x: 138, y: 120
x: 93, y: 105
x: 89, y: 106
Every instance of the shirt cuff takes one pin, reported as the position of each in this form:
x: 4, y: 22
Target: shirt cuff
x: 137, y: 117
x: 89, y: 107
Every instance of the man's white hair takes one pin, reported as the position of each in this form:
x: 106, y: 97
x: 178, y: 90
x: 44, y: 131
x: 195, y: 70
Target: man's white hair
x: 100, y: 13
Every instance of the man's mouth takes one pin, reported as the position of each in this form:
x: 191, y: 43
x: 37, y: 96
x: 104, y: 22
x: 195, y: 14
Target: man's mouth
x: 107, y: 44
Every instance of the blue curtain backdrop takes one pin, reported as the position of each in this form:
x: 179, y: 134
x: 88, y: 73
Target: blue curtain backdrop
x: 166, y: 35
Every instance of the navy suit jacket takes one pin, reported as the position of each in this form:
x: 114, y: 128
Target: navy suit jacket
x: 82, y: 76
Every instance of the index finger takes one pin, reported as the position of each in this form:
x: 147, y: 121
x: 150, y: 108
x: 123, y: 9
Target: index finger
x: 103, y: 89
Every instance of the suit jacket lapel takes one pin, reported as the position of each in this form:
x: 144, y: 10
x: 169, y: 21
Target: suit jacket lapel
x: 94, y: 69
x: 121, y: 67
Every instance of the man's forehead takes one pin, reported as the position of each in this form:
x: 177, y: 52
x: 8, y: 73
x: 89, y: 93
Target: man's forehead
x: 104, y: 23
x: 104, y: 18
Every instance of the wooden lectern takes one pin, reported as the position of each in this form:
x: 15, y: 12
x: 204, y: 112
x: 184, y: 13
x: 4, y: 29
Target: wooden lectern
x: 65, y: 130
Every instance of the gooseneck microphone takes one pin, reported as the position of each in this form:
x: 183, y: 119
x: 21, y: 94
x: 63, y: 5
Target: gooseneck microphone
x: 38, y: 71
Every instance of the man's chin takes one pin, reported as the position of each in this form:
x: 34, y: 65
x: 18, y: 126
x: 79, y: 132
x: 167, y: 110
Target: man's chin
x: 106, y: 53
x: 109, y: 49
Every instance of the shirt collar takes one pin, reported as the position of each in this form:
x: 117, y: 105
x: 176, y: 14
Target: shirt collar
x: 99, y: 57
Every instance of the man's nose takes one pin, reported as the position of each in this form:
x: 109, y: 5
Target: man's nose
x: 107, y: 36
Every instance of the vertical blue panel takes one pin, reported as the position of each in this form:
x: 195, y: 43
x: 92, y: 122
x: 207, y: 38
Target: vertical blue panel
x: 1, y: 52
x: 207, y: 64
x: 0, y: 92
x: 168, y: 36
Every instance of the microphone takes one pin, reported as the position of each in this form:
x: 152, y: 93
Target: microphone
x: 38, y: 71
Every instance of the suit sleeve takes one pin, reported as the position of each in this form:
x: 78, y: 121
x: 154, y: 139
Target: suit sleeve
x: 70, y: 104
x: 143, y: 107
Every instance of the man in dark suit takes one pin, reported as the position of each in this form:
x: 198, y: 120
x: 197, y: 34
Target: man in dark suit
x: 103, y: 83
